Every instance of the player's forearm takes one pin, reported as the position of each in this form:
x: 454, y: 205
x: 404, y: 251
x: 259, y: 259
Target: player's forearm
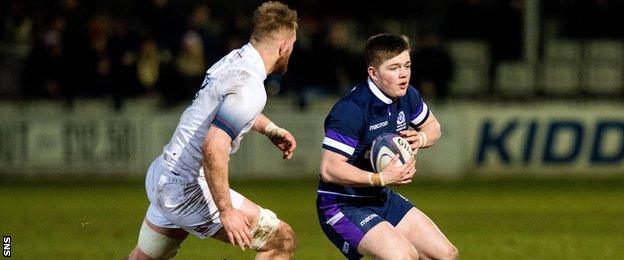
x: 215, y: 165
x: 261, y: 123
x: 432, y: 131
x: 342, y: 173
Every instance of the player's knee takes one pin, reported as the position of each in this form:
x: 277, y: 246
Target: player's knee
x: 282, y: 241
x: 287, y: 238
x: 271, y: 234
x: 409, y: 253
x: 155, y: 245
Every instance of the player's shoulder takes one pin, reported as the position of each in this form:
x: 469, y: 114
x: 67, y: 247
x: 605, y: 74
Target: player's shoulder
x: 346, y: 107
x: 233, y: 79
x: 359, y: 96
x: 353, y: 102
x: 234, y: 73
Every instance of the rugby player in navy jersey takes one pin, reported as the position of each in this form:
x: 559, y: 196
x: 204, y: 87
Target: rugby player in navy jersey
x: 356, y: 209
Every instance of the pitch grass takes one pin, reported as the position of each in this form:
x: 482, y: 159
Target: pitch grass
x: 485, y: 219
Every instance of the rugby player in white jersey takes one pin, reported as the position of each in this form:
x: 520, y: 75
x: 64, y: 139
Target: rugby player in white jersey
x: 187, y: 185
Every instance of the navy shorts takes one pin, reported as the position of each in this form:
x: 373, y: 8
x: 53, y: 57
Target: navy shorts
x: 345, y: 220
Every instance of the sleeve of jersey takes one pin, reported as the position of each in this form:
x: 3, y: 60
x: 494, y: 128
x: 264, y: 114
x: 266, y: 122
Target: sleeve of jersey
x: 420, y: 111
x: 342, y: 126
x: 236, y: 111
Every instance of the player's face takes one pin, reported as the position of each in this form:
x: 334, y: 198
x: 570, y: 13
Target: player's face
x: 282, y: 62
x: 393, y: 76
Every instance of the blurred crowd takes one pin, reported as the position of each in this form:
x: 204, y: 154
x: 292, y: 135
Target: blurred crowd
x: 68, y: 49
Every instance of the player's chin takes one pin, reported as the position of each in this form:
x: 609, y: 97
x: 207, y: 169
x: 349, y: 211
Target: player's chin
x: 401, y: 91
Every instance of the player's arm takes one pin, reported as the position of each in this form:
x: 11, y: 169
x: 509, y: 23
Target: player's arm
x: 282, y: 138
x: 425, y: 135
x: 427, y: 129
x: 216, y: 149
x: 335, y: 169
x: 236, y: 111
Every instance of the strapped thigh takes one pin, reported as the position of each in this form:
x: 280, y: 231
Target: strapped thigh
x: 157, y: 245
x: 267, y: 224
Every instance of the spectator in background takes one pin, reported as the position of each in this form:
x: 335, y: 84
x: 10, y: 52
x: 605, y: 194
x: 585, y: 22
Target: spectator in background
x: 162, y: 19
x: 236, y: 27
x: 16, y: 35
x: 190, y: 66
x: 40, y: 77
x: 202, y: 24
x: 74, y: 68
x: 141, y: 72
x: 99, y: 78
x: 148, y: 64
x: 123, y: 45
x: 330, y: 44
x: 433, y: 67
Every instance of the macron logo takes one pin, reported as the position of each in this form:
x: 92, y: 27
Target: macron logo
x: 367, y: 219
x: 377, y: 126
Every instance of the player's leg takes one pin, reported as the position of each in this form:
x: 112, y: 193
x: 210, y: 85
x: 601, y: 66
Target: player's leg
x: 384, y: 242
x: 157, y: 242
x: 159, y: 238
x: 272, y: 238
x: 357, y: 229
x: 426, y: 236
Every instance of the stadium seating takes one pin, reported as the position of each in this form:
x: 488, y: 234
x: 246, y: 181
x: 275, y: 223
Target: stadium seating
x: 515, y: 79
x: 559, y: 78
x: 471, y: 67
x: 603, y: 65
x: 560, y: 70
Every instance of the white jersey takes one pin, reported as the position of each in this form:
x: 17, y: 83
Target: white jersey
x: 231, y: 97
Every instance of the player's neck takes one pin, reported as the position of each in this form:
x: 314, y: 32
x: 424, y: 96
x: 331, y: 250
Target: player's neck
x: 268, y: 53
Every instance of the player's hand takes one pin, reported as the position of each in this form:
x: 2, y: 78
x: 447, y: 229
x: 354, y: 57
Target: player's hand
x: 286, y: 144
x: 399, y: 175
x: 412, y: 137
x: 236, y: 225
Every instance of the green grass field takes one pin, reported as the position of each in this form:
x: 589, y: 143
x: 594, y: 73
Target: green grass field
x: 485, y: 219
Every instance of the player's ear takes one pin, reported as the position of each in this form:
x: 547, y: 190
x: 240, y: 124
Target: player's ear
x: 285, y: 41
x: 283, y: 46
x: 372, y: 73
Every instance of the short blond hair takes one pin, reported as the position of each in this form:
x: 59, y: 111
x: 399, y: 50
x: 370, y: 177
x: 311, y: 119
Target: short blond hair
x: 271, y: 18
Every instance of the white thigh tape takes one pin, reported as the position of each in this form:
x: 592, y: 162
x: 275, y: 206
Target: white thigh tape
x: 267, y: 224
x: 157, y: 245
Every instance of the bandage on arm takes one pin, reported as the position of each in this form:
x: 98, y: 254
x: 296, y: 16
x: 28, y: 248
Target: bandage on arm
x: 272, y: 130
x: 263, y: 125
x: 423, y: 139
x: 376, y: 179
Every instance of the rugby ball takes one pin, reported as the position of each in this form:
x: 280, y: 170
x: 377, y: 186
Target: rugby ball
x: 385, y: 146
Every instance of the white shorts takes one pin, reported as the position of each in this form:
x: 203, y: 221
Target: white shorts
x: 178, y: 203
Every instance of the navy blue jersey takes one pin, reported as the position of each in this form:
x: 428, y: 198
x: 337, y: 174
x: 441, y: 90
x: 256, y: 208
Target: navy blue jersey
x: 358, y: 118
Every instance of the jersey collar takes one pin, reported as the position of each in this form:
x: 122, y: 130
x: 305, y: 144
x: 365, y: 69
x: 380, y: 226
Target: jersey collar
x: 377, y: 92
x: 255, y: 60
